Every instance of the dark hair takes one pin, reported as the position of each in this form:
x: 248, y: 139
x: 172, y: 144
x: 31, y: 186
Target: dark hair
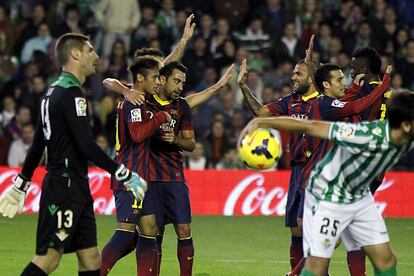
x: 323, y: 73
x: 142, y: 66
x: 147, y: 52
x: 400, y: 108
x: 315, y: 64
x: 71, y: 7
x: 66, y: 43
x: 370, y: 58
x: 167, y: 70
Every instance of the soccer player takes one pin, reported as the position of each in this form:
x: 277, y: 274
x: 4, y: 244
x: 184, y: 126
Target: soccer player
x: 134, y: 126
x: 338, y: 199
x: 297, y: 105
x: 66, y: 217
x: 166, y: 170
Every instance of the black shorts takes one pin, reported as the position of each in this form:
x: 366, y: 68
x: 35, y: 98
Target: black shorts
x: 66, y: 216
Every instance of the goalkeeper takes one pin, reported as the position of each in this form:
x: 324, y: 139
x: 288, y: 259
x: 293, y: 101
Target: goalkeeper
x: 66, y: 217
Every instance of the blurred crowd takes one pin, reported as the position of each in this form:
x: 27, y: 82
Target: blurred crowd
x: 271, y: 34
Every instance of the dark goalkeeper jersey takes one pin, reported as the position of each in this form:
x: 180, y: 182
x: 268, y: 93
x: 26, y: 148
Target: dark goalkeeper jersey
x: 63, y: 128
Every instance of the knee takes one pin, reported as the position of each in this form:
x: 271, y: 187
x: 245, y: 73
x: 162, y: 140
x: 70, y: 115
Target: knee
x: 91, y: 263
x: 386, y: 262
x: 183, y: 230
x: 296, y: 231
x: 149, y: 230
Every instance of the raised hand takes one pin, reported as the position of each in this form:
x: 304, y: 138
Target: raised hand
x: 309, y: 51
x: 226, y: 77
x: 188, y: 28
x: 242, y: 78
x: 359, y: 79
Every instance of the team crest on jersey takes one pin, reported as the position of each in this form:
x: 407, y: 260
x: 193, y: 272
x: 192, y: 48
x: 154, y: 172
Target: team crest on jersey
x: 338, y: 103
x: 136, y: 115
x: 80, y: 104
x: 346, y: 130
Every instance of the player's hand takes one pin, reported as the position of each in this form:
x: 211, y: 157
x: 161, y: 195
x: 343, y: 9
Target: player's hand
x: 248, y: 130
x: 386, y: 79
x: 12, y: 200
x: 169, y: 119
x: 242, y: 78
x: 226, y: 77
x: 134, y: 96
x: 309, y: 51
x: 137, y: 186
x: 168, y: 136
x: 359, y: 79
x: 188, y: 28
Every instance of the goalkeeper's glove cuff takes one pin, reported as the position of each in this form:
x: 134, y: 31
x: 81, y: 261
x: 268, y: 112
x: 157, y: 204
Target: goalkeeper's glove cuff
x: 122, y: 173
x: 21, y: 183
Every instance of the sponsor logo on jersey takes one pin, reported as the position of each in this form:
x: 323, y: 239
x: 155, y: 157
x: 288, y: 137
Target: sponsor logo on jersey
x: 80, y: 104
x: 338, y: 103
x: 136, y: 115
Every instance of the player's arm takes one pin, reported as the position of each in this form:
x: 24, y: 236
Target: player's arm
x: 178, y: 51
x: 309, y: 60
x: 338, y: 109
x: 201, y: 97
x: 354, y: 92
x: 140, y: 129
x: 131, y: 95
x: 254, y: 105
x: 314, y: 128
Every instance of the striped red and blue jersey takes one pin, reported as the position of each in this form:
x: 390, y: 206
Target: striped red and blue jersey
x: 133, y: 129
x: 166, y: 160
x: 326, y: 108
x: 296, y: 106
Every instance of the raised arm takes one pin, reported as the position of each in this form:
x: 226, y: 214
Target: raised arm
x: 197, y: 99
x: 309, y: 61
x: 254, y: 105
x: 178, y: 51
x: 131, y: 95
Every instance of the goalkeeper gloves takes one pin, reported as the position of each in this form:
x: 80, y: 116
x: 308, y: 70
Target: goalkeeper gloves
x: 132, y: 181
x: 12, y: 199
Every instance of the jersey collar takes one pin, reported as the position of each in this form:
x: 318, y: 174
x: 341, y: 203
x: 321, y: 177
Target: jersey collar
x: 70, y: 76
x: 313, y: 95
x: 161, y: 102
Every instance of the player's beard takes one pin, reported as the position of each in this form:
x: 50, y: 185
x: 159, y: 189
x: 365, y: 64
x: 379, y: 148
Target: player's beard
x: 302, y: 89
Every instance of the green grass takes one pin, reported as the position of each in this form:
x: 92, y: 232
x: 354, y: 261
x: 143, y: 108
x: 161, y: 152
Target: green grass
x: 224, y: 246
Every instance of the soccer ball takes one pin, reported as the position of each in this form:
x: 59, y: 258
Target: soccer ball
x: 260, y: 150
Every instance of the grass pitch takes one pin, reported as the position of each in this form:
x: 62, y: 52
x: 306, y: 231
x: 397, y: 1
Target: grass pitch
x: 232, y: 246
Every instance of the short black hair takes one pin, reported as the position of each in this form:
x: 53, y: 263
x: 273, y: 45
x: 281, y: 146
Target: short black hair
x: 148, y: 52
x: 370, y: 57
x: 400, y: 108
x: 167, y: 70
x: 323, y: 73
x: 142, y: 66
x: 67, y: 42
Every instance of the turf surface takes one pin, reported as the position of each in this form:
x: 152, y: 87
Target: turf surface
x: 224, y: 246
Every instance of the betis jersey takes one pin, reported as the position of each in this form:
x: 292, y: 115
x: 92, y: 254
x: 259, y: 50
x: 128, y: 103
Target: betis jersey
x: 360, y: 153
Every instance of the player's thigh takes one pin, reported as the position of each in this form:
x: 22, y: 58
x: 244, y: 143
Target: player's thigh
x: 177, y: 209
x: 63, y: 205
x: 381, y: 255
x: 323, y: 223
x: 88, y: 259
x: 127, y: 210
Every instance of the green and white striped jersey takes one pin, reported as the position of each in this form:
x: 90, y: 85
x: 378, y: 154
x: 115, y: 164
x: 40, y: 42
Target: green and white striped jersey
x: 360, y: 153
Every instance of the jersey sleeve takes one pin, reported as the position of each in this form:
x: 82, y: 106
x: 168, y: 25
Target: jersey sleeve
x: 139, y: 128
x: 279, y: 107
x: 74, y: 108
x: 186, y: 122
x: 356, y: 137
x: 35, y: 152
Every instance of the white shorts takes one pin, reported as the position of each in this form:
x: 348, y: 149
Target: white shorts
x: 359, y: 224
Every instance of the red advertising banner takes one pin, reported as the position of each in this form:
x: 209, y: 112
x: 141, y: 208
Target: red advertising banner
x: 230, y: 193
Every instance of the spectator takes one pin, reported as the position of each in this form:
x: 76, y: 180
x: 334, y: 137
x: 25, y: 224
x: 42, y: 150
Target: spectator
x: 140, y: 33
x: 405, y: 66
x: 30, y: 29
x: 118, y: 20
x: 13, y: 130
x: 102, y: 142
x: 216, y: 143
x: 206, y: 27
x: 165, y: 19
x: 230, y: 161
x: 253, y: 38
x: 33, y: 96
x: 289, y: 46
x: 71, y: 23
x: 118, y: 61
x: 222, y: 34
x: 273, y: 15
x: 228, y: 57
x: 7, y: 33
x: 18, y: 148
x: 196, y: 159
x: 399, y: 42
x: 235, y: 11
x: 4, y: 147
x: 40, y: 43
x: 8, y: 110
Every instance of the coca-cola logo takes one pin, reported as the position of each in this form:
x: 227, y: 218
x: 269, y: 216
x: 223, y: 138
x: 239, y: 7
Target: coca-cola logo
x: 257, y: 198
